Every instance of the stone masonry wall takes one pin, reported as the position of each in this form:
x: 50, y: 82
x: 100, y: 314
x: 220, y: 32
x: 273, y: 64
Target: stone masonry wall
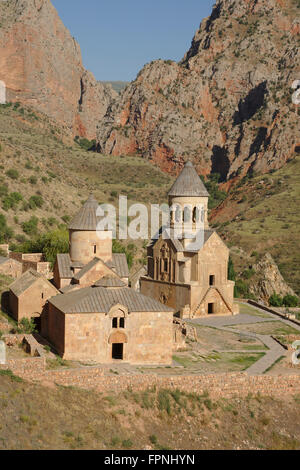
x: 218, y: 385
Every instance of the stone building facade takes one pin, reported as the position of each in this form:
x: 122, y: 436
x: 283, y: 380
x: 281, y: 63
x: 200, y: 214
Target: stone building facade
x: 192, y: 281
x: 107, y: 324
x: 29, y: 294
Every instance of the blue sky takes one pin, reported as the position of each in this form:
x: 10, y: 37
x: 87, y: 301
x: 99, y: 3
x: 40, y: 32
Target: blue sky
x: 119, y: 37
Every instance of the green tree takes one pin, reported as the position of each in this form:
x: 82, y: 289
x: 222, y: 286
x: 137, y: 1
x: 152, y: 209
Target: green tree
x: 50, y: 244
x: 231, y: 271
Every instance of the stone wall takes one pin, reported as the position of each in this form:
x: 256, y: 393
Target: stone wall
x: 217, y: 385
x: 32, y: 261
x: 12, y: 268
x: 272, y: 310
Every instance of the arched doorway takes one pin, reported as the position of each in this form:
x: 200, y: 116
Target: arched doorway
x: 118, y: 340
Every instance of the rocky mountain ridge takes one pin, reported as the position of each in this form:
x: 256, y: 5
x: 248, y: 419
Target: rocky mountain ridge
x: 227, y: 105
x: 41, y: 66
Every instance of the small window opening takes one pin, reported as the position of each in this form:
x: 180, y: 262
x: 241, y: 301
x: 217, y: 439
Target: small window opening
x: 115, y: 323
x: 122, y: 322
x: 212, y: 280
x: 95, y: 249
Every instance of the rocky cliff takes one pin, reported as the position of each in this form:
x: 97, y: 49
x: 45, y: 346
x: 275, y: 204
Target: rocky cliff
x: 227, y: 105
x: 268, y: 280
x: 41, y: 66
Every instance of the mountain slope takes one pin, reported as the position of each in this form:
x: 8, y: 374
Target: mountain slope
x: 41, y: 66
x: 261, y: 214
x: 227, y: 105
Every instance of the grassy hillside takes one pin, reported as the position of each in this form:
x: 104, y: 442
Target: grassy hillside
x: 34, y: 417
x: 262, y: 214
x: 45, y: 175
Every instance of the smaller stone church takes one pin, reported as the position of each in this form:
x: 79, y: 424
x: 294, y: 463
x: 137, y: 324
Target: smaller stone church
x: 192, y: 282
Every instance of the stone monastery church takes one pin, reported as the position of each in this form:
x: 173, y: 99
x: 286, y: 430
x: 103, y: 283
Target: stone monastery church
x: 88, y: 312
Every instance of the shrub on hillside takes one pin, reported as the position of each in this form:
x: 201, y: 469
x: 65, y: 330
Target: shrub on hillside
x: 13, y: 174
x: 85, y: 143
x: 216, y: 196
x: 35, y: 201
x: 10, y: 201
x: 275, y: 300
x: 290, y: 300
x: 32, y: 180
x: 30, y: 227
x: 6, y: 233
x: 241, y: 289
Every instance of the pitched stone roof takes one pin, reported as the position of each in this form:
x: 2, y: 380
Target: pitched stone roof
x: 207, y: 235
x: 87, y: 268
x: 119, y: 264
x: 26, y: 280
x: 142, y: 271
x: 64, y: 266
x: 167, y: 232
x: 86, y: 218
x: 66, y: 289
x: 110, y: 281
x: 188, y: 183
x: 101, y: 300
x: 177, y: 243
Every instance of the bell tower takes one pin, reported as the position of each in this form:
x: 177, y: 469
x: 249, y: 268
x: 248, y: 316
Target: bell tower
x: 188, y: 199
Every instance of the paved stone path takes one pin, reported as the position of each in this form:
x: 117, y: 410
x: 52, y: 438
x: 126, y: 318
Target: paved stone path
x: 275, y: 350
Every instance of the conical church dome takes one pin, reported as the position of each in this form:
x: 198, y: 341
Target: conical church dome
x: 188, y: 184
x: 86, y: 218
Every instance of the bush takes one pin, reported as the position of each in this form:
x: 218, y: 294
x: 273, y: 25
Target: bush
x: 3, y: 190
x: 30, y: 227
x: 35, y: 201
x: 13, y: 174
x: 248, y: 273
x: 275, y: 300
x: 11, y: 201
x: 290, y: 300
x: 32, y: 180
x: 26, y: 326
x: 241, y: 289
x: 85, y: 143
x: 6, y: 233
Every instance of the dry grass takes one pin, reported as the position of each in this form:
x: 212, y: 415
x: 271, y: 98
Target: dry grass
x: 34, y: 417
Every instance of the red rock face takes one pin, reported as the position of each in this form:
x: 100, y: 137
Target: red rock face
x: 227, y: 105
x: 41, y: 66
